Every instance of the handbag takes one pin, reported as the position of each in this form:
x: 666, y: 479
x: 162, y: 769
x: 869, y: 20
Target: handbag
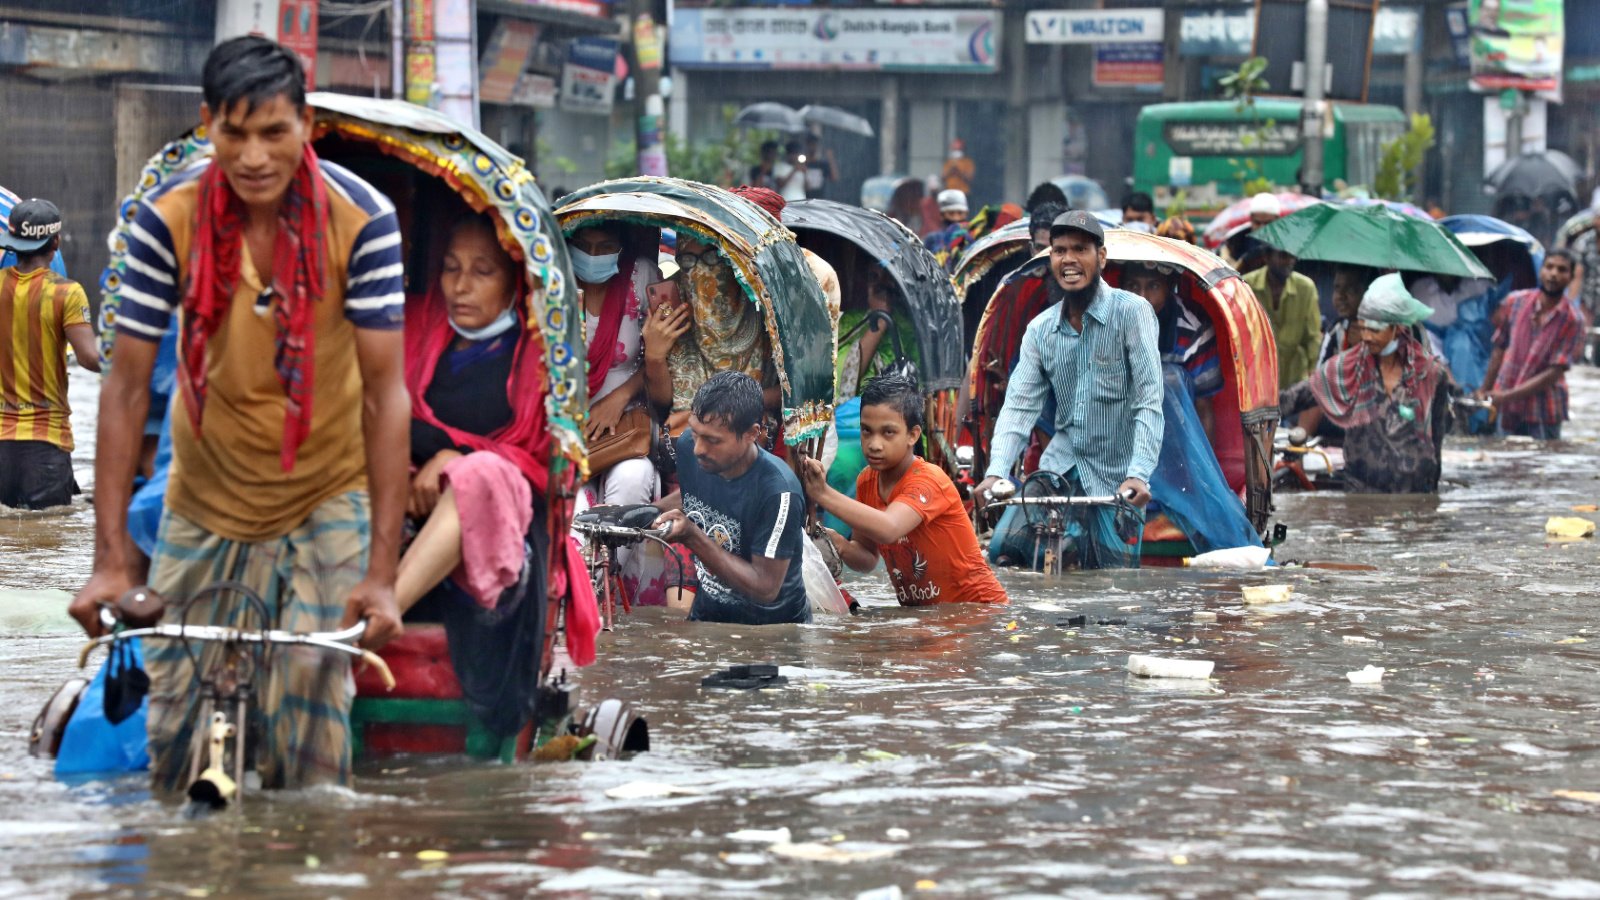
x: 92, y: 742
x: 629, y: 440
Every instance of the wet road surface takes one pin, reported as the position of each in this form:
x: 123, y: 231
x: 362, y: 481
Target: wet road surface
x: 946, y: 752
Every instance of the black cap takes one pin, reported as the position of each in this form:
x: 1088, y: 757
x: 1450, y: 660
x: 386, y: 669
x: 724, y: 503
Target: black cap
x: 33, y: 224
x: 1078, y: 220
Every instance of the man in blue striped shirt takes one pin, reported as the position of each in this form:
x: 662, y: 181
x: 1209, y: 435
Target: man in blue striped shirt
x: 1096, y: 353
x: 292, y: 420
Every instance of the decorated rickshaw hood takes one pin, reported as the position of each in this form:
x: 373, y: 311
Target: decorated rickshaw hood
x: 767, y: 263
x: 980, y: 258
x: 485, y: 175
x: 928, y: 291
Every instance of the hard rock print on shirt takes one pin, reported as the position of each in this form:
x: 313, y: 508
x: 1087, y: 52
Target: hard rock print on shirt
x: 721, y: 528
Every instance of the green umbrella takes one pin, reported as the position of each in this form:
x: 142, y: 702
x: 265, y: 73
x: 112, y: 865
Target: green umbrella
x: 1374, y: 236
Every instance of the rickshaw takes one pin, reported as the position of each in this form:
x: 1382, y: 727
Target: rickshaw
x: 855, y: 241
x: 991, y: 258
x: 979, y: 271
x: 434, y: 168
x: 767, y: 263
x: 769, y: 267
x: 1246, y: 411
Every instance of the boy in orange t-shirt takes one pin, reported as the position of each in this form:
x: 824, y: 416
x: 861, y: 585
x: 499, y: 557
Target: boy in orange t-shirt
x: 906, y: 509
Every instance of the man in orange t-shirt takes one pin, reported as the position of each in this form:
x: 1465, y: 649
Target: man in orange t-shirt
x: 906, y: 509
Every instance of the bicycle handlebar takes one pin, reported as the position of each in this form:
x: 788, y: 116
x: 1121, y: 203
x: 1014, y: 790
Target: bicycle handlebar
x: 342, y: 641
x: 1106, y: 500
x: 609, y: 530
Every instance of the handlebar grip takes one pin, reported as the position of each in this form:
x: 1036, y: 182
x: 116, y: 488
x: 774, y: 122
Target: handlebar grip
x: 376, y: 661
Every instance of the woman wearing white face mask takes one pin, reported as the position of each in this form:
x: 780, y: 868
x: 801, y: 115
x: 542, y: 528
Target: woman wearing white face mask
x: 614, y: 283
x: 1389, y: 394
x: 478, y: 438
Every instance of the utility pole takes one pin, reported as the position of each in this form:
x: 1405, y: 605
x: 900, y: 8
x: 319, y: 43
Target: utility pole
x: 648, y: 141
x: 1516, y: 111
x: 1311, y: 111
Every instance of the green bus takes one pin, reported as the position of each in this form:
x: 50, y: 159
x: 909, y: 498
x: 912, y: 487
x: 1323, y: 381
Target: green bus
x: 1200, y: 148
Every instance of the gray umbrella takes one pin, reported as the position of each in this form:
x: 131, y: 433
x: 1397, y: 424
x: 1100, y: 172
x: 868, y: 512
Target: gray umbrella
x: 774, y: 116
x: 834, y: 117
x: 1535, y: 175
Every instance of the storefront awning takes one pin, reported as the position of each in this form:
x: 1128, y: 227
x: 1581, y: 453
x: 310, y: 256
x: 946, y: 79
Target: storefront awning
x: 551, y: 15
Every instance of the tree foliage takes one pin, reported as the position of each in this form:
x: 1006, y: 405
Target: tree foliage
x: 1241, y: 86
x: 722, y: 162
x: 1400, y: 159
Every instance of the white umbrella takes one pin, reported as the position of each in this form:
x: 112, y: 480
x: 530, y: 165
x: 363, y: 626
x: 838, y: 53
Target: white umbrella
x: 834, y: 117
x: 774, y: 116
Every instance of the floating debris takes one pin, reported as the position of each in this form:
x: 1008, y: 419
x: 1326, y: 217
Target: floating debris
x: 640, y: 790
x: 1368, y: 675
x: 761, y: 835
x: 812, y: 851
x: 1157, y: 667
x: 1569, y: 527
x: 1258, y: 594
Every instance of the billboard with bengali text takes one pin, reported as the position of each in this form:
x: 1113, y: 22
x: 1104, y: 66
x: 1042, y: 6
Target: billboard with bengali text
x: 929, y: 40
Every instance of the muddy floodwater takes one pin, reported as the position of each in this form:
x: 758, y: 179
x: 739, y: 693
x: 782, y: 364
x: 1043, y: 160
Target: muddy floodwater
x: 968, y: 752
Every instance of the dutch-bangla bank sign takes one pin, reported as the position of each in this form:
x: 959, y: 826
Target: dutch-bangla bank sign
x: 1094, y: 26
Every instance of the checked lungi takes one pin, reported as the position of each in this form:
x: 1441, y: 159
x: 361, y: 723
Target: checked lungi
x: 303, y: 705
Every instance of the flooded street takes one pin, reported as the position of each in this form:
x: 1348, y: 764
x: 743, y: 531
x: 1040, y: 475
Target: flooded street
x: 948, y: 752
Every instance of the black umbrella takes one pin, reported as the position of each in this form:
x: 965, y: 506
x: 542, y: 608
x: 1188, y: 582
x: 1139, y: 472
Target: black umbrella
x: 1535, y: 175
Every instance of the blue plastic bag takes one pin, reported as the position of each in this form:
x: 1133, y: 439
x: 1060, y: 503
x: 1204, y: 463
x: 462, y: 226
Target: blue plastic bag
x: 92, y: 744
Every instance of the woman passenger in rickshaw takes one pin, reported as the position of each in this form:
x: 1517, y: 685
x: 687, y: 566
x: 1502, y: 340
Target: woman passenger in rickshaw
x: 1188, y: 483
x: 613, y: 280
x: 863, y: 351
x: 712, y: 328
x: 478, y: 434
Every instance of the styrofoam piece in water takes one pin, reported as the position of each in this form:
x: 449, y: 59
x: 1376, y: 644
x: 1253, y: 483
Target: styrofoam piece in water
x: 1231, y: 558
x: 1256, y: 594
x: 1159, y: 667
x: 1368, y: 675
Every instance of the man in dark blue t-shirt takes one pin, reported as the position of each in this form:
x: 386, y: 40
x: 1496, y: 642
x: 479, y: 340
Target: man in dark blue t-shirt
x: 738, y: 509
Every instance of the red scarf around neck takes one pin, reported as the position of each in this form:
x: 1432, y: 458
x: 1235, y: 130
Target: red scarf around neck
x: 603, y: 349
x: 525, y: 443
x: 215, y: 257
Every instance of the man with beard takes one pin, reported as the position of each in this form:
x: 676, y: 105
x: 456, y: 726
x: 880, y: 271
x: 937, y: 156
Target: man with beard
x: 739, y: 510
x: 1095, y: 352
x: 1541, y: 337
x: 1290, y: 300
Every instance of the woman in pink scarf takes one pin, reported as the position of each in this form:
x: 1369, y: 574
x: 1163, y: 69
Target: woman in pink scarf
x: 479, y: 443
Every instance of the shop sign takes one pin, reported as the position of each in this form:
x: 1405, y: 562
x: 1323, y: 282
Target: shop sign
x: 588, y: 78
x: 889, y: 40
x: 1516, y: 44
x: 585, y: 7
x: 297, y: 30
x: 1095, y: 26
x: 538, y: 91
x: 1129, y: 65
x: 1229, y: 30
x: 504, y: 59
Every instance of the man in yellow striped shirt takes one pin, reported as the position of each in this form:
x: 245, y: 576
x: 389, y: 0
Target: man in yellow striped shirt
x: 40, y: 313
